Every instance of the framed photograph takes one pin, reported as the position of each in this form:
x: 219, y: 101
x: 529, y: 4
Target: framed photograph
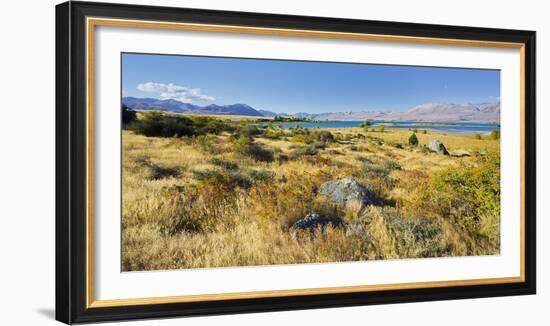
x: 212, y: 162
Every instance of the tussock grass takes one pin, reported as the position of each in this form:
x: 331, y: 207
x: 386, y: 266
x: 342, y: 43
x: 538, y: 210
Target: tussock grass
x: 229, y: 198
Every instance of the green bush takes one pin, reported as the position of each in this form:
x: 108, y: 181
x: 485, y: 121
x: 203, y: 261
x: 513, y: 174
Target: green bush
x: 207, y: 143
x: 391, y: 165
x: 249, y: 131
x: 223, y: 180
x: 155, y: 124
x: 306, y: 136
x: 319, y: 145
x: 301, y: 138
x: 469, y: 195
x: 152, y: 171
x: 228, y: 165
x: 128, y: 116
x: 413, y: 140
x: 229, y: 180
x: 324, y: 136
x: 246, y: 147
x: 271, y: 133
x: 365, y: 124
x: 394, y: 235
x: 377, y: 177
x: 304, y: 151
x: 261, y: 175
x: 494, y: 135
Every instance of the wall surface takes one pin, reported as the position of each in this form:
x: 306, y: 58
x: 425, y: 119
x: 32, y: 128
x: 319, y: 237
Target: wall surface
x: 27, y: 162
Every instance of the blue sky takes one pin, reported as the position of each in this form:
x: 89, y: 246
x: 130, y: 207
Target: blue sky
x: 300, y: 86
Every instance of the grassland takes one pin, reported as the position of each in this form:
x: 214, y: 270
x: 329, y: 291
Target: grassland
x: 228, y: 196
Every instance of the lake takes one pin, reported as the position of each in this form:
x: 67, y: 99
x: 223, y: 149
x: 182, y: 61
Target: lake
x: 445, y: 127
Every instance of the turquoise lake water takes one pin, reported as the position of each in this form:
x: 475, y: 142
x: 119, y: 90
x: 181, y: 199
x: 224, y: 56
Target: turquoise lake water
x: 445, y: 127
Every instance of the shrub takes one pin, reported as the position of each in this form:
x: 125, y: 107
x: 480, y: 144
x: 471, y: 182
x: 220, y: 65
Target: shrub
x: 154, y: 171
x: 207, y: 143
x: 381, y: 128
x: 301, y: 138
x: 377, y: 177
x: 271, y: 133
x: 250, y: 131
x: 324, y: 136
x: 424, y: 131
x: 209, y: 125
x: 477, y: 136
x: 391, y: 165
x: 223, y: 180
x: 128, y: 116
x: 304, y: 151
x: 229, y: 180
x: 388, y: 235
x: 228, y: 165
x: 413, y: 140
x: 155, y: 124
x: 261, y: 175
x: 494, y: 135
x: 247, y: 147
x: 365, y: 124
x: 363, y: 159
x: 282, y: 158
x: 470, y: 197
x: 317, y: 136
x: 393, y: 143
x: 375, y: 140
x: 319, y: 145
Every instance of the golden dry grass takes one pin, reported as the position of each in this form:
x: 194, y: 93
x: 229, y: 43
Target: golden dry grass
x: 251, y: 226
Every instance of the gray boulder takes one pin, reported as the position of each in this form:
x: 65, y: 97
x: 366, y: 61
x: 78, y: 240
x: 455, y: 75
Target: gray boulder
x: 438, y: 147
x: 314, y: 221
x: 344, y: 191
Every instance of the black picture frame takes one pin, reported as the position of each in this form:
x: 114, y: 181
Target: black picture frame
x: 71, y: 158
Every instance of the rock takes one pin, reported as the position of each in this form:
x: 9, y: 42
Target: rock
x: 343, y: 191
x: 438, y: 147
x: 314, y: 221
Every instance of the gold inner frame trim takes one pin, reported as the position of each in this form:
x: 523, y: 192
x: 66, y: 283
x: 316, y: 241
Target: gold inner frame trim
x: 92, y: 22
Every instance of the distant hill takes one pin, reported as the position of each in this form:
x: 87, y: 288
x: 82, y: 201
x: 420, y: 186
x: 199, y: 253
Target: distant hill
x: 159, y: 105
x: 438, y: 112
x: 487, y: 112
x: 483, y: 112
x: 266, y: 113
x: 181, y: 107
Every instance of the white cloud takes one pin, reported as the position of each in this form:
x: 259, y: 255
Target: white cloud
x: 173, y: 91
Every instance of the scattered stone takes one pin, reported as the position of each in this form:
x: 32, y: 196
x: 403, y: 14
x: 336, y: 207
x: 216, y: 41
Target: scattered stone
x: 343, y: 191
x: 438, y: 147
x: 314, y: 221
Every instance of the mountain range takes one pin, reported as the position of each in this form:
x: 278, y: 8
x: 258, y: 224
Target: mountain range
x: 438, y: 112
